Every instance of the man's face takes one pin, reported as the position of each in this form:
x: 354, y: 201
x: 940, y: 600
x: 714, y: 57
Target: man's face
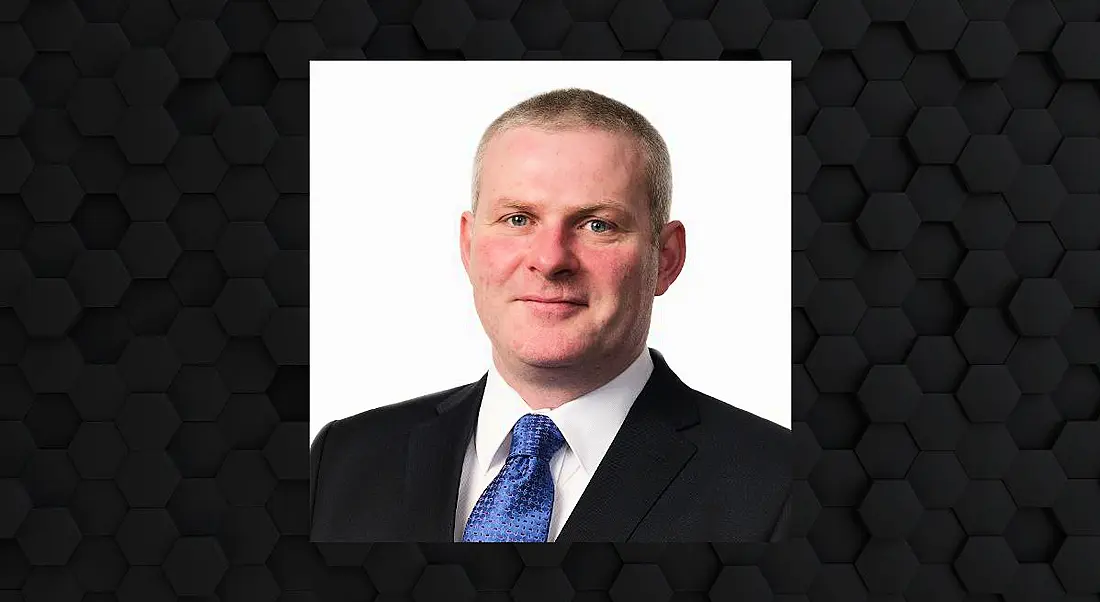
x: 559, y: 253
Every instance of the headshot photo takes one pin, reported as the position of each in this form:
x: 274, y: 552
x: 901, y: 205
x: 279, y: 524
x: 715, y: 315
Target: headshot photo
x: 551, y: 302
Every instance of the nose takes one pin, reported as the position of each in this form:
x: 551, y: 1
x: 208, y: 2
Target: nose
x: 551, y: 252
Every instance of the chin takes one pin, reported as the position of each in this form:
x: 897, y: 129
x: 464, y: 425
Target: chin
x: 546, y: 355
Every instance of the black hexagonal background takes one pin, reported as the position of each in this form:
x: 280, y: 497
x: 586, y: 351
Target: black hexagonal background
x: 947, y: 307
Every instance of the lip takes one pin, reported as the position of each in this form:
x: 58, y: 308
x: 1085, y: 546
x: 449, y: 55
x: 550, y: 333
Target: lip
x: 554, y: 310
x: 551, y: 301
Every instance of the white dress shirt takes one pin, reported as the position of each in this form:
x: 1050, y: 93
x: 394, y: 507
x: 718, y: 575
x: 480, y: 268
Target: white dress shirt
x: 588, y: 423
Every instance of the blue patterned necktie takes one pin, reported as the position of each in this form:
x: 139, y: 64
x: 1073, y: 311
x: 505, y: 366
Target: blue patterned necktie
x: 516, y: 506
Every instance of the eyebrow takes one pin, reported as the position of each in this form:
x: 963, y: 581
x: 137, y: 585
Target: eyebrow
x: 506, y: 203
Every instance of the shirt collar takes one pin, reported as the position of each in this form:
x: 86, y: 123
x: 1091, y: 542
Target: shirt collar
x: 588, y: 423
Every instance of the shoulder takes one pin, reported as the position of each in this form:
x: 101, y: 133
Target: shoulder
x: 385, y: 422
x: 741, y: 434
x: 746, y: 423
x: 720, y: 424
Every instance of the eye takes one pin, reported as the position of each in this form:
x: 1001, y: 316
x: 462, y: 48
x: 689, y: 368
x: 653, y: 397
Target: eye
x: 602, y: 226
x: 511, y: 219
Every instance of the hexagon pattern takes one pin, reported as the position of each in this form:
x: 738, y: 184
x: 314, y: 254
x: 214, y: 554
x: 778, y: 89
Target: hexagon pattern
x: 154, y: 298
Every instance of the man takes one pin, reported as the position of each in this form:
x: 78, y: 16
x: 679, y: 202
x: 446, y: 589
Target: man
x: 578, y: 431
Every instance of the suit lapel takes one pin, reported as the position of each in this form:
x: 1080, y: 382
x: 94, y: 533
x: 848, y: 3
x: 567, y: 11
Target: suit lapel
x: 435, y: 454
x: 644, y: 458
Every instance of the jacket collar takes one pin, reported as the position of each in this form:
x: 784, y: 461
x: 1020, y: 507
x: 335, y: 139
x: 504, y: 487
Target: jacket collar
x: 645, y: 456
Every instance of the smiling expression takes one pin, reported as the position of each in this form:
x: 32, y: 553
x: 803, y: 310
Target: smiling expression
x: 558, y: 253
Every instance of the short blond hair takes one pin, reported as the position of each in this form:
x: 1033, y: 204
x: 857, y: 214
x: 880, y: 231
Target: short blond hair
x: 578, y: 109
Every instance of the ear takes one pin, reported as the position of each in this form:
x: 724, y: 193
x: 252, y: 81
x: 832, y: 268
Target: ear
x: 465, y: 227
x: 671, y: 255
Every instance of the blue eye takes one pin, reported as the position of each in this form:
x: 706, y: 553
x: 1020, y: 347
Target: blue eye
x: 602, y: 226
x: 606, y: 226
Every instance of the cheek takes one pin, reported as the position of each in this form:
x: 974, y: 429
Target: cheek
x: 619, y: 275
x: 494, y: 261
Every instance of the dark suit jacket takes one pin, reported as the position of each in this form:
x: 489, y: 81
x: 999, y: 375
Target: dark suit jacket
x: 683, y: 467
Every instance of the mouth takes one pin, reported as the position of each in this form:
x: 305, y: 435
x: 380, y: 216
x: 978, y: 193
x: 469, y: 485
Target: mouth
x: 552, y: 309
x: 552, y: 301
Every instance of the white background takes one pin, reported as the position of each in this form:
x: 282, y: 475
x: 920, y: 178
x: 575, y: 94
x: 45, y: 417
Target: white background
x: 391, y: 150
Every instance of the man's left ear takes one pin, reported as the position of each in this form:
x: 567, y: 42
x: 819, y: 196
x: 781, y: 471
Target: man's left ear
x: 671, y: 255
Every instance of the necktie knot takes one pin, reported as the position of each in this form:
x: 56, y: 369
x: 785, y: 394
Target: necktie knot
x: 537, y: 436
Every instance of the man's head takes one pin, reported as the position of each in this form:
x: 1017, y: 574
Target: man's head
x: 571, y: 198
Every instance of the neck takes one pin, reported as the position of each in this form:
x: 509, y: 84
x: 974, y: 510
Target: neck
x: 549, y: 388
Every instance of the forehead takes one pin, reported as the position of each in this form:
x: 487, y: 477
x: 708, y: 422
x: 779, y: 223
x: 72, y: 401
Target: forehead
x: 580, y: 150
x: 564, y: 162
